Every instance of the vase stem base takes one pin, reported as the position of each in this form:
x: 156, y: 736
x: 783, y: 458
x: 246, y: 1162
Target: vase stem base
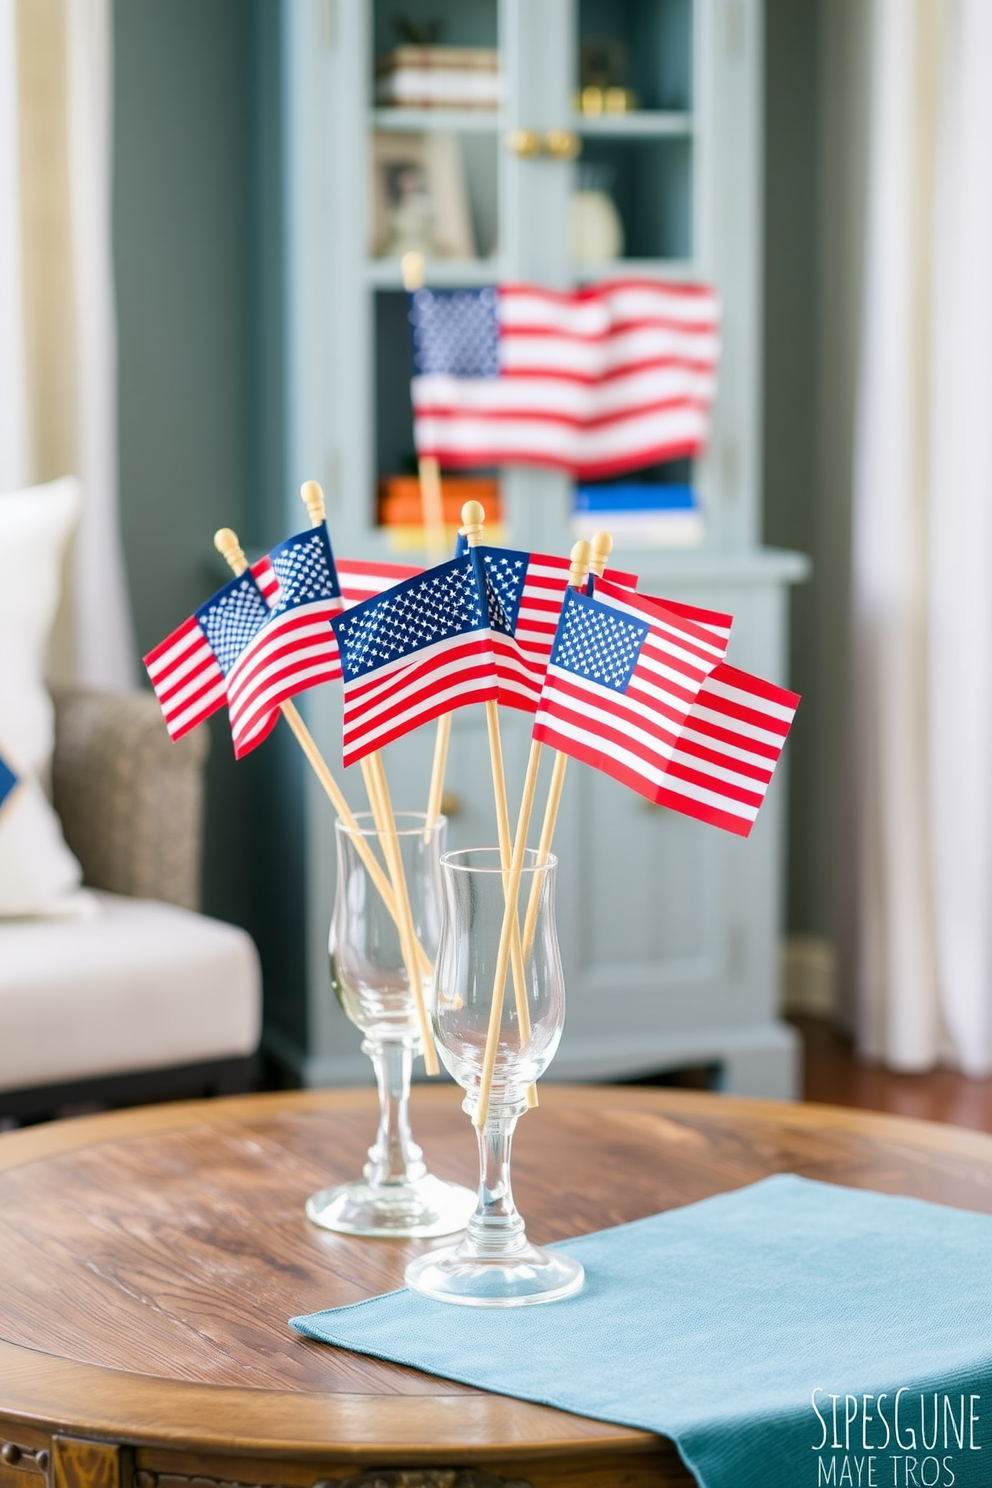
x: 527, y: 1276
x: 419, y: 1209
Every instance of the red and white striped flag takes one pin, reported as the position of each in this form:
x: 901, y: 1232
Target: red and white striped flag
x: 265, y: 577
x: 621, y: 681
x: 184, y: 671
x: 715, y: 623
x: 642, y: 693
x: 413, y: 652
x: 727, y: 749
x: 600, y: 380
x: 525, y: 593
x: 295, y: 649
x: 361, y: 579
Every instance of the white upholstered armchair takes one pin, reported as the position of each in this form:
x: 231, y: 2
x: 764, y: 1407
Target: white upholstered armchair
x: 143, y: 998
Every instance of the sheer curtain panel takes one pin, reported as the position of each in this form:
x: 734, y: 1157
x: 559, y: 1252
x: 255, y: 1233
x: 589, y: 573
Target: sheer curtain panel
x: 57, y: 329
x: 922, y: 543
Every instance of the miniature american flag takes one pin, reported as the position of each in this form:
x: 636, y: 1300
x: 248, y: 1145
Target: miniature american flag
x: 294, y: 650
x: 524, y: 593
x: 361, y: 580
x: 642, y: 693
x: 715, y: 623
x: 604, y: 379
x: 7, y: 780
x: 622, y: 678
x: 265, y: 577
x: 357, y: 580
x: 412, y: 653
x: 184, y: 671
x: 727, y: 749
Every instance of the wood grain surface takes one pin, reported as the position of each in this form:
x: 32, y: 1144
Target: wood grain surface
x: 149, y: 1259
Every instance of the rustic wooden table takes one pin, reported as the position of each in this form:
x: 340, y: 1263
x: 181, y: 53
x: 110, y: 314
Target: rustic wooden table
x: 149, y: 1260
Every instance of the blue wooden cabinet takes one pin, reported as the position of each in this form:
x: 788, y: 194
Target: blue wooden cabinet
x: 669, y: 929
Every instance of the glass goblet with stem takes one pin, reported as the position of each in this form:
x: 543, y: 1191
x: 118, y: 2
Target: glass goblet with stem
x: 499, y: 1007
x: 396, y: 1196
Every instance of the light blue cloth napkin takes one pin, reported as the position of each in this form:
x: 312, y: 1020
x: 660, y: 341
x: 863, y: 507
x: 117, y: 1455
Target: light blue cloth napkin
x: 766, y: 1331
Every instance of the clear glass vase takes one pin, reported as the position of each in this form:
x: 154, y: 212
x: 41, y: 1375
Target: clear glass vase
x: 498, y: 1016
x: 396, y: 1196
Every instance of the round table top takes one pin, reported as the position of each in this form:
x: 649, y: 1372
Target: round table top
x: 150, y: 1259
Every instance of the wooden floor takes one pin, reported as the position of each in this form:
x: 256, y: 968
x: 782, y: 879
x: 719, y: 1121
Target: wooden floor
x: 832, y: 1074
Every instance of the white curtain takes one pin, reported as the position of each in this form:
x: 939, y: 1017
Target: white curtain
x: 13, y: 420
x: 57, y: 325
x: 922, y: 543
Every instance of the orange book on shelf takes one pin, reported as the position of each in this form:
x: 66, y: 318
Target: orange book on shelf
x: 400, y: 505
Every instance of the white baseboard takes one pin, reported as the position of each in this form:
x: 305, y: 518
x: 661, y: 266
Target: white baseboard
x: 809, y: 976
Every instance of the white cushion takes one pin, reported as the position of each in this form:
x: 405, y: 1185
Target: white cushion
x: 37, y: 870
x: 139, y: 985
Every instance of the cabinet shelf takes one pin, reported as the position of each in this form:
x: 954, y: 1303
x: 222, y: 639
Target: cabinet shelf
x: 441, y: 273
x: 640, y: 124
x: 424, y: 120
x: 636, y: 268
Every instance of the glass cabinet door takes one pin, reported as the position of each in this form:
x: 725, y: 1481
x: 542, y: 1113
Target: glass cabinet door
x: 554, y: 141
x: 541, y: 140
x: 634, y: 100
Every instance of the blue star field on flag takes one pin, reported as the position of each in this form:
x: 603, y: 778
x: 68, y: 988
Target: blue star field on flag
x: 231, y: 617
x: 455, y: 332
x: 414, y: 652
x: 304, y: 566
x: 597, y: 642
x: 505, y: 574
x: 439, y: 605
x: 7, y: 780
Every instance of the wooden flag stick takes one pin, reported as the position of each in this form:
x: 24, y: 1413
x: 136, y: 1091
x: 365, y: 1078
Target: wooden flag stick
x: 509, y: 933
x: 580, y: 556
x: 408, y: 936
x: 374, y: 776
x: 473, y: 518
x: 415, y: 959
x: 436, y: 546
x: 226, y: 543
x: 431, y: 500
x: 599, y: 551
x: 435, y: 795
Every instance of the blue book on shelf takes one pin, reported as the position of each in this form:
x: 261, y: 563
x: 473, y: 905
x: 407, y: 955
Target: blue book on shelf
x: 635, y: 496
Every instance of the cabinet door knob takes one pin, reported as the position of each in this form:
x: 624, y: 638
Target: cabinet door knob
x: 563, y: 144
x: 524, y: 142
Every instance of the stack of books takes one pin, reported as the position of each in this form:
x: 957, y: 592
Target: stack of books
x: 401, y: 511
x: 438, y: 77
x: 640, y: 514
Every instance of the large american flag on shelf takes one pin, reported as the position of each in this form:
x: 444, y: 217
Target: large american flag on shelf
x: 413, y: 652
x: 524, y: 593
x: 642, y: 693
x: 597, y: 381
x: 294, y: 649
x: 185, y: 673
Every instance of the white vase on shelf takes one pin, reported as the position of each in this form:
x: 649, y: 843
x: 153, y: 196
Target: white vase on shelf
x: 596, y: 226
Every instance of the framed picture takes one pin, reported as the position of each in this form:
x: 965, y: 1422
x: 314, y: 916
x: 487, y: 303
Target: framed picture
x: 418, y: 196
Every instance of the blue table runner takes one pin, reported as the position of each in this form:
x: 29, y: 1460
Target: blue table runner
x: 787, y: 1334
